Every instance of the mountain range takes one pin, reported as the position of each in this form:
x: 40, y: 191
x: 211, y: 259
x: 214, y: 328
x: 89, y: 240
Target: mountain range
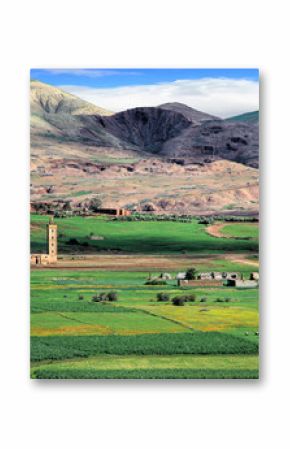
x: 141, y: 154
x: 171, y: 130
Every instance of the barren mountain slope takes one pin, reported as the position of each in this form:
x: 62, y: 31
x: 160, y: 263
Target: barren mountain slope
x: 193, y: 115
x: 45, y: 99
x: 133, y: 158
x: 216, y: 139
x: 146, y: 128
x: 151, y: 184
x: 63, y: 120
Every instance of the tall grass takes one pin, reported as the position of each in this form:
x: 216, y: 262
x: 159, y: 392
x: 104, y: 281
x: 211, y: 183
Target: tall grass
x: 65, y: 347
x: 145, y: 374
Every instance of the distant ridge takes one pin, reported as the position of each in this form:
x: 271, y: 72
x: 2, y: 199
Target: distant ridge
x: 247, y: 117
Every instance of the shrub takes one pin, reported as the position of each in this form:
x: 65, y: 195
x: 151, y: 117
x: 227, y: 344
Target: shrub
x: 112, y: 296
x: 228, y: 300
x: 190, y: 298
x: 81, y: 297
x: 163, y: 297
x: 191, y: 274
x: 178, y: 301
x: 203, y: 299
x: 103, y: 296
x: 219, y: 300
x: 95, y: 204
x: 73, y: 242
x: 205, y: 220
x: 96, y: 298
x: 155, y: 282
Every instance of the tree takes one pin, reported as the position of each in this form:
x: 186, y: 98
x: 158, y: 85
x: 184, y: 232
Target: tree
x: 112, y: 296
x: 191, y: 274
x: 163, y: 297
x: 67, y: 206
x: 178, y: 301
x: 95, y: 204
x: 190, y: 298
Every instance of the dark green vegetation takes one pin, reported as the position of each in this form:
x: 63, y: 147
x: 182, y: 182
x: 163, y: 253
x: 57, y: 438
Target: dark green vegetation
x: 95, y: 234
x: 60, y: 348
x: 145, y: 374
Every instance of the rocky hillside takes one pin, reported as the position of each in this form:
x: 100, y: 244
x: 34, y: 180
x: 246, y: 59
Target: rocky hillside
x: 193, y: 115
x: 60, y: 117
x: 170, y: 158
x: 145, y: 128
x: 214, y: 140
x: 46, y: 99
x: 172, y: 130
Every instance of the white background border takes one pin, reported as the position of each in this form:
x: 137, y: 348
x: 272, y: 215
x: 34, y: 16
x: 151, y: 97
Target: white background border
x: 145, y: 414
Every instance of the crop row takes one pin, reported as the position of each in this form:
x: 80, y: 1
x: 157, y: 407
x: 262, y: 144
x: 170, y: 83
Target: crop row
x: 80, y: 306
x: 65, y: 347
x: 144, y: 374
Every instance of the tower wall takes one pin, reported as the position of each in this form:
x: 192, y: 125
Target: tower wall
x: 52, y: 242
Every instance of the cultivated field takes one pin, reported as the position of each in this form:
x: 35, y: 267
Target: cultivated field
x: 73, y: 336
x: 96, y: 234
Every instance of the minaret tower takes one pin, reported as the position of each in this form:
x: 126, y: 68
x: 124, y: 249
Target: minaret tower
x: 52, y: 241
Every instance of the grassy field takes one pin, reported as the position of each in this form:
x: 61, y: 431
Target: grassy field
x: 72, y: 336
x: 64, y: 327
x: 181, y: 366
x: 76, y: 235
x: 242, y: 230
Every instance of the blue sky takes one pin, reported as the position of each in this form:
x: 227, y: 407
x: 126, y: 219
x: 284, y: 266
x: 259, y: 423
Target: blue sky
x: 222, y: 92
x: 106, y: 78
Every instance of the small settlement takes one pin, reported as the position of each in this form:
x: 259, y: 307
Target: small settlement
x: 216, y: 279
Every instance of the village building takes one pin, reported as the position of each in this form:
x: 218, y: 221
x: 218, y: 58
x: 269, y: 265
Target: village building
x: 218, y: 276
x: 118, y: 212
x: 51, y: 241
x: 217, y: 279
x: 242, y: 283
x: 180, y: 276
x: 254, y: 276
x: 200, y: 283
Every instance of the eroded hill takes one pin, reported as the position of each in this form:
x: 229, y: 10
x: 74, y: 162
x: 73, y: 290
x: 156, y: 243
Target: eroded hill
x: 172, y: 157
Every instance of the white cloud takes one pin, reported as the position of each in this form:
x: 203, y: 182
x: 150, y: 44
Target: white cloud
x: 223, y: 97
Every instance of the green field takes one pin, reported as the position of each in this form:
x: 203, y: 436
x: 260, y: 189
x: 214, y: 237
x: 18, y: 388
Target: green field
x: 72, y: 336
x: 242, y: 230
x: 63, y: 327
x: 184, y: 366
x: 76, y: 235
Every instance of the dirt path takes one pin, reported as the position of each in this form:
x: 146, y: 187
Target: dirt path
x: 215, y: 230
x: 242, y: 259
x: 139, y: 262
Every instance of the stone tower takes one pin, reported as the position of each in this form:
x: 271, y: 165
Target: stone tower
x: 52, y: 241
